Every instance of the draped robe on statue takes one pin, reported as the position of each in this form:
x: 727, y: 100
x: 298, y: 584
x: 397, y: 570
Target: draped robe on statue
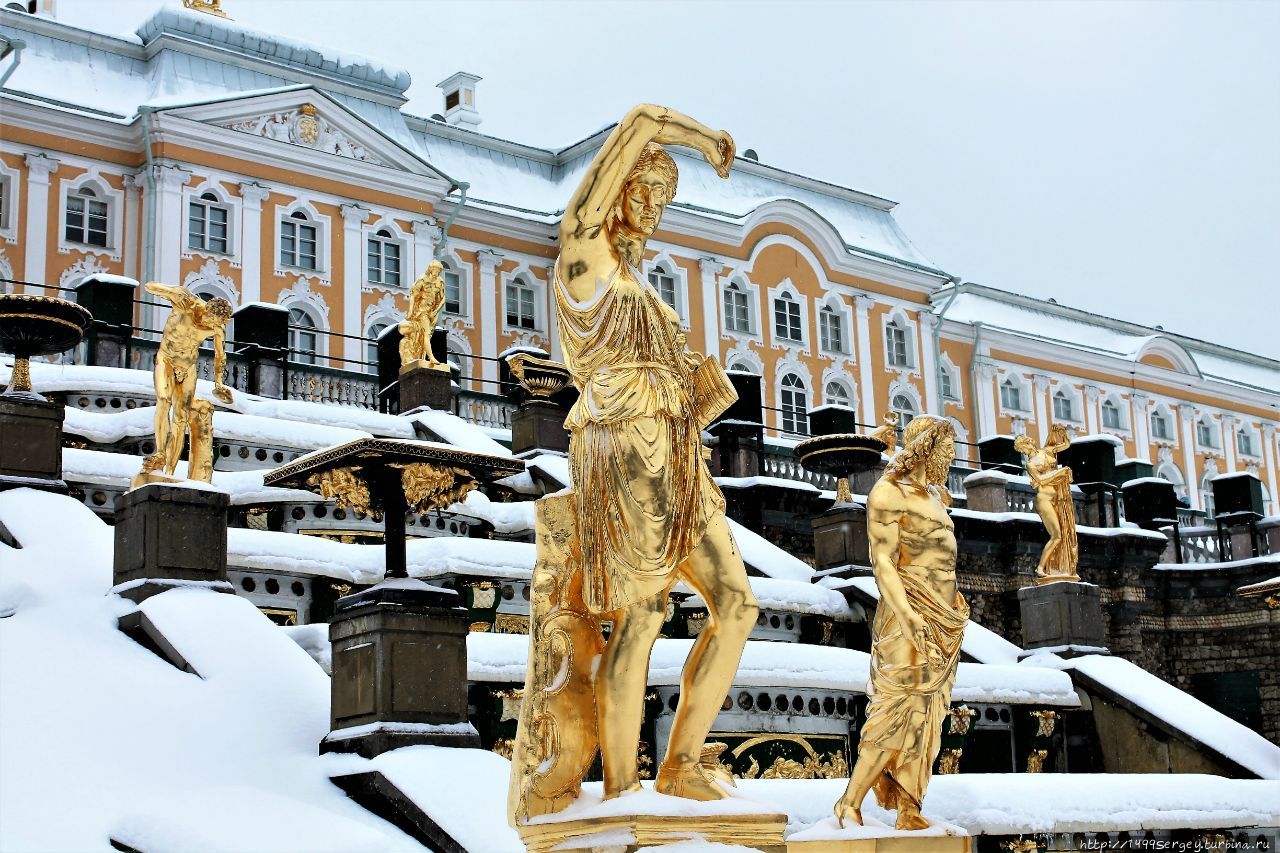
x: 644, y: 495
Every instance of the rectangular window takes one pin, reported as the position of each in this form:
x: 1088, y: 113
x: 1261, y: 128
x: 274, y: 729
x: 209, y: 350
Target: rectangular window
x: 896, y: 343
x: 452, y: 293
x: 520, y: 314
x: 1110, y: 416
x: 297, y: 245
x: 384, y: 262
x: 737, y: 316
x: 1244, y: 442
x: 830, y: 331
x: 944, y: 385
x: 1204, y: 434
x: 207, y: 227
x: 665, y: 284
x: 1159, y: 426
x: 786, y: 319
x: 4, y: 202
x: 1011, y: 396
x: 1062, y: 408
x: 86, y: 221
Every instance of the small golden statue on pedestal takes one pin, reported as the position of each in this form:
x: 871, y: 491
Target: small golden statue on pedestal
x: 888, y: 432
x: 919, y: 625
x: 1054, y: 505
x: 191, y: 322
x: 644, y: 512
x: 426, y: 298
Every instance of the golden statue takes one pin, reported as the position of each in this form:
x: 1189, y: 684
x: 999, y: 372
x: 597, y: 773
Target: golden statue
x: 1052, y: 482
x: 649, y: 512
x: 919, y: 625
x: 191, y: 322
x: 888, y: 432
x: 426, y: 298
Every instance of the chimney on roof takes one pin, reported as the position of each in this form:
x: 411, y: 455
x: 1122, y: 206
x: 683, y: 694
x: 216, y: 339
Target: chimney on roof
x: 460, y: 99
x: 48, y: 8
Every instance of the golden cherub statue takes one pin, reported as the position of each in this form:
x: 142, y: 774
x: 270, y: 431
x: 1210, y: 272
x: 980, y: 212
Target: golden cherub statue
x: 191, y: 322
x: 426, y: 298
x: 644, y: 512
x: 888, y: 432
x: 1061, y: 555
x: 919, y: 625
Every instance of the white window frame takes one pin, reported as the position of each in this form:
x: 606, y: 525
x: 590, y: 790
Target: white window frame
x: 1118, y: 404
x: 12, y: 181
x: 789, y: 414
x: 752, y: 292
x: 849, y: 401
x: 524, y: 275
x: 1255, y: 441
x: 1212, y: 429
x: 324, y: 235
x: 318, y: 353
x: 386, y: 236
x: 1024, y: 394
x: 897, y: 317
x: 906, y: 414
x: 1170, y: 420
x: 114, y: 200
x: 371, y: 340
x: 663, y: 262
x: 832, y: 308
x: 1074, y: 409
x: 225, y: 200
x: 787, y: 290
x: 947, y: 366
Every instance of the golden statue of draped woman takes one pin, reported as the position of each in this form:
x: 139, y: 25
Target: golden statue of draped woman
x: 426, y: 298
x: 644, y: 511
x: 178, y: 413
x: 1061, y: 555
x: 919, y: 625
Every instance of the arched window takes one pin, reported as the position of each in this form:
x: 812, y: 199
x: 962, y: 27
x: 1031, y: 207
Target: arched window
x: 1063, y: 409
x: 1110, y: 415
x: 897, y: 351
x: 1206, y: 434
x: 737, y: 309
x: 742, y: 367
x: 836, y: 394
x: 521, y: 305
x: 384, y: 258
x: 298, y: 241
x: 371, y: 348
x: 1172, y: 473
x: 1160, y: 426
x: 304, y: 337
x: 904, y: 409
x: 795, y: 405
x: 1011, y: 394
x: 830, y: 330
x: 1206, y: 494
x: 207, y: 224
x: 86, y: 218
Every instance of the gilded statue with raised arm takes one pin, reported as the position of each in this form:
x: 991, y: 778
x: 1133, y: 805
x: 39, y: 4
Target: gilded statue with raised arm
x: 644, y: 511
x: 1061, y: 555
x: 192, y: 321
x: 919, y: 625
x: 888, y: 432
x: 426, y: 298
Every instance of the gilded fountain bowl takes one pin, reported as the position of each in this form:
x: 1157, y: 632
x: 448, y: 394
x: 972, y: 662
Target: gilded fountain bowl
x: 40, y: 325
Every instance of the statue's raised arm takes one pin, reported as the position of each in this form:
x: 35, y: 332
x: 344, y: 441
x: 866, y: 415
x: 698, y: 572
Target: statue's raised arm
x: 601, y: 227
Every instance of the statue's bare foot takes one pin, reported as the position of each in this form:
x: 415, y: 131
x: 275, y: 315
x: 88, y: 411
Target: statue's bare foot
x: 629, y: 789
x: 847, y: 812
x: 909, y: 817
x: 688, y: 781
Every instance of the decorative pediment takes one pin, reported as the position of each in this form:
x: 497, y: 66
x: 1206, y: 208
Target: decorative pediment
x: 305, y: 126
x: 84, y: 267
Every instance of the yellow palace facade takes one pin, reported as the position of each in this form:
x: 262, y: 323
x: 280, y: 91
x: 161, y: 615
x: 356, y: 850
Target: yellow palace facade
x: 248, y: 166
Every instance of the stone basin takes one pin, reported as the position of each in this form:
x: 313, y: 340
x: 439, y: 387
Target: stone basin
x: 841, y: 455
x: 38, y: 325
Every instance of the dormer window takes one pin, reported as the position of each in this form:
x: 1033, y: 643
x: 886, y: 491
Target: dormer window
x: 460, y: 98
x: 86, y: 218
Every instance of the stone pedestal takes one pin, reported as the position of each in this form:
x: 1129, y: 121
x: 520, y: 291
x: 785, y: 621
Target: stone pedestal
x: 1061, y: 614
x: 737, y: 453
x: 168, y: 536
x: 110, y: 300
x: 261, y: 333
x: 426, y: 386
x: 538, y: 425
x: 399, y: 670
x: 987, y: 491
x: 30, y: 442
x: 840, y: 538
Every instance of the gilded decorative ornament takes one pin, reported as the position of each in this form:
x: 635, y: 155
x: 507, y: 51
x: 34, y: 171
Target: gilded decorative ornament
x: 428, y: 486
x: 1047, y: 720
x: 1035, y: 760
x: 346, y: 489
x: 540, y: 377
x: 212, y: 7
x: 191, y: 322
x: 1054, y: 505
x: 918, y: 628
x: 426, y: 299
x: 888, y: 432
x: 949, y: 761
x: 961, y: 718
x: 308, y: 125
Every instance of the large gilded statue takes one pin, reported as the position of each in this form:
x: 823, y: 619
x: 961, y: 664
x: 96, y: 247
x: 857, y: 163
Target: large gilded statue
x: 191, y: 322
x: 426, y: 298
x: 918, y: 628
x: 644, y: 512
x: 1061, y: 555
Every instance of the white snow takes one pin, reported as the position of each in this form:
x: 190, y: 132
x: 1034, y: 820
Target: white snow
x: 768, y: 559
x: 554, y: 466
x: 1209, y: 567
x: 99, y: 467
x: 454, y: 430
x: 515, y: 517
x: 790, y: 596
x: 771, y: 482
x: 1142, y: 481
x: 1176, y: 709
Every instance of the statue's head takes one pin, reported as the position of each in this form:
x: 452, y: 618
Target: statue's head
x: 929, y: 440
x: 435, y: 269
x: 646, y: 192
x: 217, y: 310
x: 1024, y: 445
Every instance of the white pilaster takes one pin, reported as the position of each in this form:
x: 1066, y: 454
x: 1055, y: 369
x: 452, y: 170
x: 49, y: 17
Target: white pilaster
x: 34, y: 264
x: 426, y: 234
x: 1040, y: 387
x: 252, y: 195
x: 487, y: 317
x: 1229, y: 424
x: 1269, y: 458
x: 353, y: 216
x: 553, y: 318
x: 984, y: 399
x: 711, y: 269
x: 867, y: 393
x: 1092, y: 410
x: 1141, y: 414
x: 1186, y: 418
x: 167, y: 243
x: 132, y: 217
x: 930, y: 363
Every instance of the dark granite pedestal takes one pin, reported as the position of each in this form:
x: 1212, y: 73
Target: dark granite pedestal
x: 840, y: 541
x: 1064, y: 613
x: 30, y: 442
x: 170, y: 536
x: 426, y: 386
x: 399, y: 670
x: 538, y: 426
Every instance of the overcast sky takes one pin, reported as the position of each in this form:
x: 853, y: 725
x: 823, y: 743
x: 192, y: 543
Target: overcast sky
x: 1123, y: 158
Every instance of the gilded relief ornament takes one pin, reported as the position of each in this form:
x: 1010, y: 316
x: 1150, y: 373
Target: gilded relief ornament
x: 918, y: 628
x: 192, y: 321
x: 949, y: 761
x: 346, y: 489
x: 429, y: 486
x: 1054, y: 505
x: 1035, y: 760
x: 961, y: 718
x: 1047, y: 721
x: 426, y: 298
x: 644, y: 511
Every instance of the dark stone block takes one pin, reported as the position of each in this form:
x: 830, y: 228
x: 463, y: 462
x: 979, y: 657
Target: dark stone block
x: 832, y: 420
x: 1091, y: 460
x: 738, y: 448
x: 1237, y: 493
x: 997, y: 451
x: 1149, y: 502
x: 425, y: 386
x: 840, y: 538
x: 30, y: 440
x: 1061, y: 614
x: 399, y: 669
x: 170, y: 533
x: 539, y: 425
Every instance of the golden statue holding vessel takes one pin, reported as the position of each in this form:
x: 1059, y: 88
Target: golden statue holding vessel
x: 1061, y: 555
x: 644, y: 511
x: 426, y: 298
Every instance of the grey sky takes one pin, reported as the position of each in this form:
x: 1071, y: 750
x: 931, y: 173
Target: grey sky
x: 1119, y: 157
